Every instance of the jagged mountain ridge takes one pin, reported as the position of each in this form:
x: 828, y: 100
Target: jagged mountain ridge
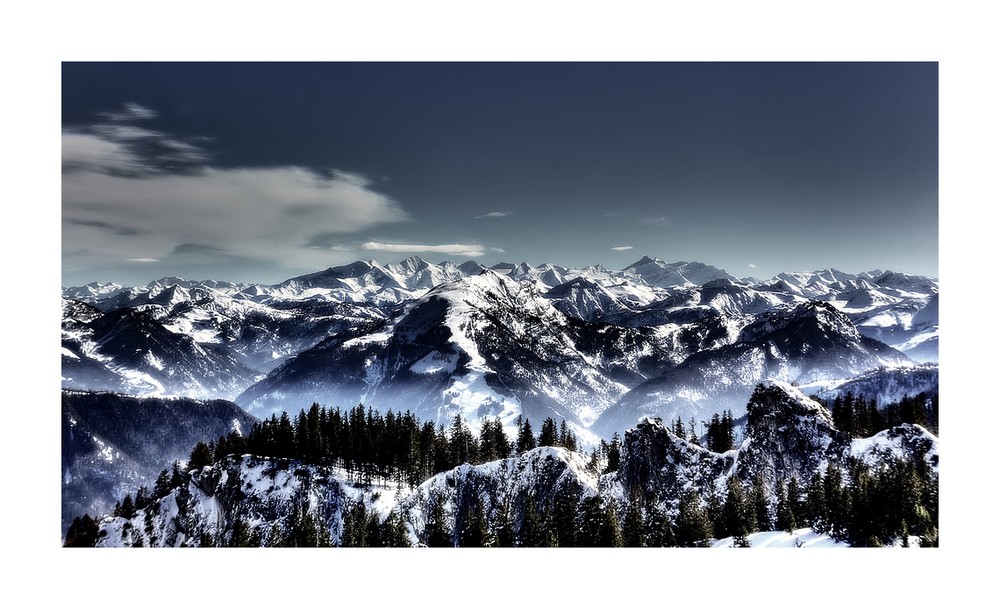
x: 617, y: 331
x: 788, y: 435
x: 482, y: 346
x: 808, y: 342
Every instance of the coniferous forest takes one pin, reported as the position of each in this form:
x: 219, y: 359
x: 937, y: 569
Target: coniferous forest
x: 891, y: 502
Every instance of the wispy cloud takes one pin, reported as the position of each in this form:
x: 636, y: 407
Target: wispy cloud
x: 622, y: 248
x: 142, y: 259
x: 495, y: 214
x: 654, y: 220
x: 129, y: 150
x: 751, y: 266
x: 456, y: 249
x: 131, y: 111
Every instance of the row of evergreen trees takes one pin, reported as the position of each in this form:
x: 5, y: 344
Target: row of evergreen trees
x: 720, y: 434
x: 863, y: 418
x: 567, y: 519
x: 371, y: 446
x: 860, y: 506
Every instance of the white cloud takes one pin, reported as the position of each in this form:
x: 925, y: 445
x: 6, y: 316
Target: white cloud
x: 622, y: 248
x: 268, y: 213
x: 457, y: 249
x: 126, y: 149
x: 751, y: 266
x: 85, y: 151
x: 141, y: 196
x: 131, y: 112
x: 123, y: 198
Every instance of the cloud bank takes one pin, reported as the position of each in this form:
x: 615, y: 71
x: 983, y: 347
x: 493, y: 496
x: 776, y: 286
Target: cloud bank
x: 136, y: 194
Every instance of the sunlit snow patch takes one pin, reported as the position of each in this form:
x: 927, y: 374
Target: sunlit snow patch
x: 435, y: 362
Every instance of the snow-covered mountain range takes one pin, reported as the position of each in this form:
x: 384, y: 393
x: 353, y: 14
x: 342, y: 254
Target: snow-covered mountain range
x: 597, y: 347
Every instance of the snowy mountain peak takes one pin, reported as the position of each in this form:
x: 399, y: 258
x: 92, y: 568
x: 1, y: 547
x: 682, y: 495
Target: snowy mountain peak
x: 471, y: 267
x: 808, y: 320
x: 412, y: 264
x: 658, y: 273
x: 644, y: 261
x: 772, y: 392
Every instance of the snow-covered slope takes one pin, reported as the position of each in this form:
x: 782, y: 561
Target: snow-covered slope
x: 112, y: 444
x: 802, y: 344
x: 481, y: 346
x: 885, y: 385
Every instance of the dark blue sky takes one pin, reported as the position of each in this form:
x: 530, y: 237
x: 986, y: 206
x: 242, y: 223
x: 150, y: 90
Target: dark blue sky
x: 261, y: 171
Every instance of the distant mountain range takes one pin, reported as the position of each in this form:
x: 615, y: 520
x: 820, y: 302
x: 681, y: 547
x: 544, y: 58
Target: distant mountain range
x: 596, y: 347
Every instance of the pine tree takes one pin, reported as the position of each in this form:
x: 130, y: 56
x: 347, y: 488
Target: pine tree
x: 785, y: 514
x: 658, y: 531
x: 570, y: 440
x: 438, y: 532
x: 678, y: 428
x: 240, y: 537
x: 563, y: 516
x: 693, y: 528
x: 395, y: 535
x: 530, y: 534
x: 475, y: 532
x: 715, y: 513
x: 727, y: 435
x: 563, y: 432
x: 736, y: 512
x: 176, y: 478
x: 759, y: 517
x: 548, y: 435
x: 201, y: 456
x: 614, y: 454
x: 161, y: 488
x: 816, y: 510
x: 82, y: 533
x: 633, y: 529
x: 503, y: 526
x: 838, y: 503
x: 461, y: 443
x: 598, y: 524
x: 354, y: 529
x: 525, y: 437
x: 795, y: 502
x: 692, y: 433
x: 276, y: 536
x: 127, y: 509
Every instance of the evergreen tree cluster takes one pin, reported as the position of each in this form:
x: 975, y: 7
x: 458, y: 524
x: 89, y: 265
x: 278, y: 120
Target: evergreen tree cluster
x: 872, y: 508
x: 853, y: 503
x: 863, y: 418
x: 720, y: 432
x: 371, y: 446
x: 566, y: 519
